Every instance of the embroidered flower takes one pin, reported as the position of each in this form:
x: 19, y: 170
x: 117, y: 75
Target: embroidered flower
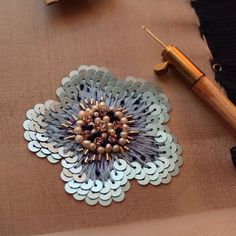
x: 105, y: 132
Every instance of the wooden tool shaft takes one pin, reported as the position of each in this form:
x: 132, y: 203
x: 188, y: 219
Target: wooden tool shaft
x: 207, y: 89
x: 210, y: 92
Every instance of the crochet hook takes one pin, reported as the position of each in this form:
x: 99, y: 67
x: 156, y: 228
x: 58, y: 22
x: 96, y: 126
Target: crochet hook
x: 206, y: 88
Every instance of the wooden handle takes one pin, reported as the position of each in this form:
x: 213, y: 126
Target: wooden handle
x: 209, y: 91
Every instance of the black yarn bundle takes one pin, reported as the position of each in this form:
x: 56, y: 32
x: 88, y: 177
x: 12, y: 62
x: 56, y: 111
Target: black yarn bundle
x: 218, y: 26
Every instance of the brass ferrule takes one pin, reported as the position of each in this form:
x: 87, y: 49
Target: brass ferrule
x: 177, y: 59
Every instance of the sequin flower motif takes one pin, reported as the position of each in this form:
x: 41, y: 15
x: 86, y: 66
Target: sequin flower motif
x: 104, y: 132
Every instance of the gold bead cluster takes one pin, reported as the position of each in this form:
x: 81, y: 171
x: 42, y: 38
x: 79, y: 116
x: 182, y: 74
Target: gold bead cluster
x: 100, y: 130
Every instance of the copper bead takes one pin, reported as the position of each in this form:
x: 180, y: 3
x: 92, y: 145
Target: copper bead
x: 77, y: 130
x: 116, y: 148
x: 78, y: 138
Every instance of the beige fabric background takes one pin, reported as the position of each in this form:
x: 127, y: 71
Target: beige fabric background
x: 39, y: 45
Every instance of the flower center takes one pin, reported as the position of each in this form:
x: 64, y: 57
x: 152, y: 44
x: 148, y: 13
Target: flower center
x: 100, y: 130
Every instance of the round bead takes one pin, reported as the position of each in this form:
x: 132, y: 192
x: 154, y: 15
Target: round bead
x: 104, y: 135
x: 109, y: 125
x: 92, y: 147
x: 125, y: 127
x: 122, y: 141
x: 116, y: 148
x: 94, y: 108
x: 93, y: 131
x: 108, y: 148
x: 78, y: 138
x: 119, y: 114
x: 102, y: 104
x: 106, y: 119
x: 79, y: 122
x: 82, y: 114
x: 89, y: 111
x: 100, y: 150
x: 111, y: 131
x: 78, y: 130
x: 86, y: 144
x: 123, y: 134
x: 96, y: 114
x: 124, y: 120
x: 97, y: 120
